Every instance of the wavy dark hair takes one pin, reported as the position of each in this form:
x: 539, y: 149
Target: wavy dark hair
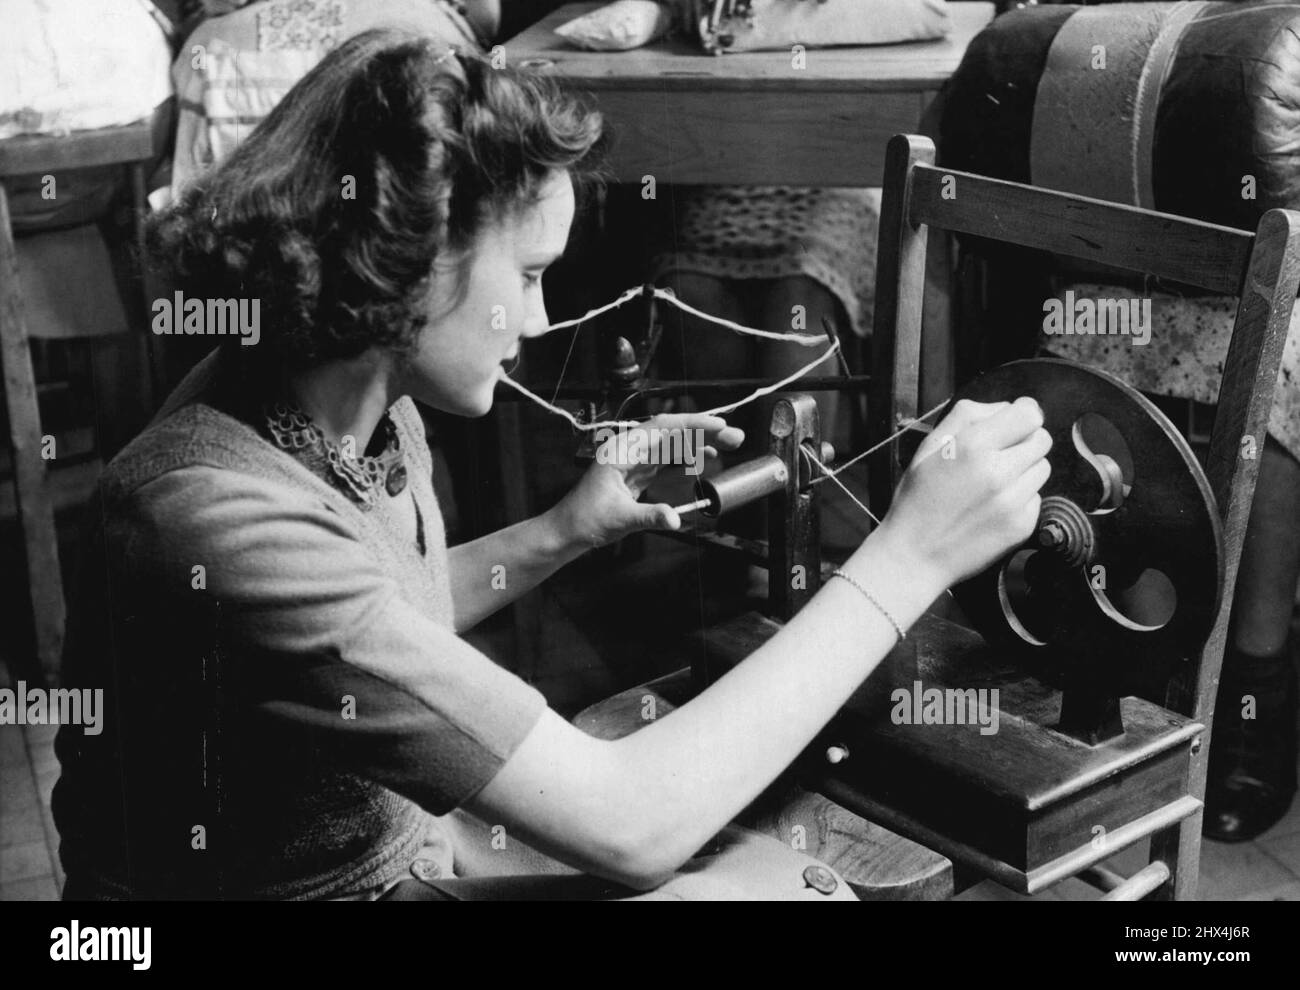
x: 435, y: 144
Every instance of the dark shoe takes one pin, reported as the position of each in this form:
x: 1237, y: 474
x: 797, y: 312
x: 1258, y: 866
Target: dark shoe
x: 1251, y: 776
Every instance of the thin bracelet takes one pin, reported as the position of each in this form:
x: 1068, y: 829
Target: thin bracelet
x: 872, y: 598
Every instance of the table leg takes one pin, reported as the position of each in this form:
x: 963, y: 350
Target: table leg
x: 35, y: 506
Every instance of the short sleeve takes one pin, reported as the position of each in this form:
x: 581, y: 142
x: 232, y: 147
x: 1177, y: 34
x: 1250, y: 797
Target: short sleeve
x: 316, y: 638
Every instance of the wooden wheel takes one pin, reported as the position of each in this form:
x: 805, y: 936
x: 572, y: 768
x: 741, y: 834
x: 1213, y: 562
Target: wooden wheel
x: 1123, y: 575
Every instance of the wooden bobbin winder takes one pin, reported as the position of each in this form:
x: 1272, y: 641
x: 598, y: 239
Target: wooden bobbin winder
x: 1067, y: 718
x: 1022, y: 746
x: 1019, y: 745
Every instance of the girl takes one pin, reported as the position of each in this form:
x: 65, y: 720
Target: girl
x: 271, y: 608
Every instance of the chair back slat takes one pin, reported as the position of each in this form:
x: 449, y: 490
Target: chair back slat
x: 1175, y: 248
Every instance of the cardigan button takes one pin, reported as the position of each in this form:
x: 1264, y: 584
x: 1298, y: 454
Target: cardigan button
x: 427, y: 870
x: 395, y: 482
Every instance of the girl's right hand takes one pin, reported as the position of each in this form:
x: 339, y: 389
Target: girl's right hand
x: 971, y: 492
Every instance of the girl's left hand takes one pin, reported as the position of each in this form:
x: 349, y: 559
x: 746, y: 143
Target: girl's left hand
x: 604, y: 507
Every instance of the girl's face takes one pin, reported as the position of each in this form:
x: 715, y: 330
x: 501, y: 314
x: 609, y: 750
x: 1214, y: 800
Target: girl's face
x: 465, y: 344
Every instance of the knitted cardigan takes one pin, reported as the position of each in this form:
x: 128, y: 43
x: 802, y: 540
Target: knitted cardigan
x: 234, y: 604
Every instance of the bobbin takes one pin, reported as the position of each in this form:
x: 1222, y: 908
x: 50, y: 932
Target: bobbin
x: 742, y: 484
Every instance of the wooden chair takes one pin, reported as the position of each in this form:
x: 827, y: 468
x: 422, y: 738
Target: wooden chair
x: 1263, y: 269
x: 130, y: 146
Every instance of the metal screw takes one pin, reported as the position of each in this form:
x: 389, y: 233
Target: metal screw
x: 1051, y: 535
x: 820, y: 879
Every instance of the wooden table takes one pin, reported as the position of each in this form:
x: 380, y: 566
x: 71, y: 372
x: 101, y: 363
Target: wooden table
x: 751, y: 118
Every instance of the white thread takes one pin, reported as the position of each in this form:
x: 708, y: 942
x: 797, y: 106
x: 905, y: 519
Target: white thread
x: 769, y: 389
x: 621, y: 423
x: 909, y: 425
x: 559, y: 379
x: 830, y: 476
x: 803, y: 339
x: 603, y: 424
x: 591, y: 313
